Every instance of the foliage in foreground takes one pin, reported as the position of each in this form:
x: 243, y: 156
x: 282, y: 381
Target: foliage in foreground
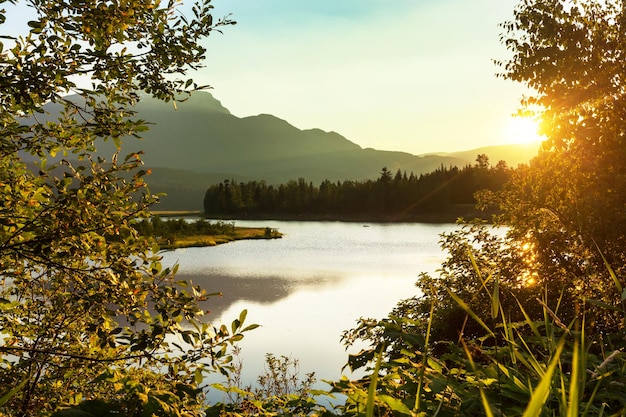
x: 530, y: 319
x: 90, y: 321
x: 279, y: 390
x: 527, y: 367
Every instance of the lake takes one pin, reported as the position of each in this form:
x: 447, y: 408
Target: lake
x: 308, y: 287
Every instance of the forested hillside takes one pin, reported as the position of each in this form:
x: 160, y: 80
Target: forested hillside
x: 201, y: 143
x: 442, y: 194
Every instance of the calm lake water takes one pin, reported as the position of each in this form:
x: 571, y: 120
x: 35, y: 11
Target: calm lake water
x: 308, y: 287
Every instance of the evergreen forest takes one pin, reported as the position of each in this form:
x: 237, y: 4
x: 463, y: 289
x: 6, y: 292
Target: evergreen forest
x: 438, y: 195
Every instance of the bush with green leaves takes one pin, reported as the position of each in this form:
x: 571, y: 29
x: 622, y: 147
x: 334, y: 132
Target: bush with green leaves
x: 279, y: 391
x: 528, y: 367
x: 89, y: 317
x: 173, y: 228
x: 568, y: 204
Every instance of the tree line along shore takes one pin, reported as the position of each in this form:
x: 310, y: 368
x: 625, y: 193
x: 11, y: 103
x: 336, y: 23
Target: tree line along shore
x: 444, y: 195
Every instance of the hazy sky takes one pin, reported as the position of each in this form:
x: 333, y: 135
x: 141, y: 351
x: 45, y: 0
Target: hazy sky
x: 409, y: 75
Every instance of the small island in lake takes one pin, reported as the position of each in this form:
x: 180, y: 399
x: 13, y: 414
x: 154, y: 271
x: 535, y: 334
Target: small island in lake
x: 175, y: 233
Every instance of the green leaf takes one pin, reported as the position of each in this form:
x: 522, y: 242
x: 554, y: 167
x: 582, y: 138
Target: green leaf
x: 495, y: 299
x: 395, y: 404
x: 243, y: 315
x: 359, y: 360
x: 234, y: 326
x: 35, y: 24
x: 469, y: 311
x: 542, y: 391
x: 250, y: 327
x: 371, y: 392
x: 12, y: 392
x: 608, y: 267
x: 198, y: 377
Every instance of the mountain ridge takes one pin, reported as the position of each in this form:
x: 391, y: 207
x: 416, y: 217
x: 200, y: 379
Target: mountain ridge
x: 202, y: 142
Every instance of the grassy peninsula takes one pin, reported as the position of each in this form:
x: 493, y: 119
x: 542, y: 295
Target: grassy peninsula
x: 238, y: 233
x: 181, y: 233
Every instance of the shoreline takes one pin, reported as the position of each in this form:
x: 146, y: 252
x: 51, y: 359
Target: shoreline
x: 448, y: 215
x: 240, y: 233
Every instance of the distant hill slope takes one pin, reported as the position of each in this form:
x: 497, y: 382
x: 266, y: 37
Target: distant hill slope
x: 514, y: 154
x: 201, y: 143
x: 203, y: 136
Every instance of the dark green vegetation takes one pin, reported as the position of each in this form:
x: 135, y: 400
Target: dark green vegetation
x: 178, y: 233
x: 91, y: 323
x: 442, y: 195
x: 202, y: 143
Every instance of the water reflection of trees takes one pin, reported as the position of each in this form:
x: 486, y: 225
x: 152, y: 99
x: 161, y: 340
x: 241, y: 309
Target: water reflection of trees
x: 260, y: 289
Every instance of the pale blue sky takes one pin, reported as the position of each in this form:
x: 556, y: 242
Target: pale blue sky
x: 407, y: 75
x: 414, y: 76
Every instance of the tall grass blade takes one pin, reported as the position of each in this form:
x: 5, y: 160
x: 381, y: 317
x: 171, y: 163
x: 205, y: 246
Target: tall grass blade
x: 583, y: 374
x: 475, y: 266
x: 512, y: 377
x: 618, y: 285
x: 531, y: 323
x: 541, y: 393
x: 555, y: 319
x: 469, y: 311
x: 424, y: 356
x: 572, y: 409
x: 531, y: 362
x: 562, y: 390
x: 591, y: 398
x: 507, y: 326
x: 483, y: 397
x: 371, y: 393
x: 495, y: 299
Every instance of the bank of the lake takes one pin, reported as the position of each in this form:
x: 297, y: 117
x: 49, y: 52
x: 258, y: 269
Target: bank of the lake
x: 238, y: 233
x: 446, y: 215
x: 177, y: 229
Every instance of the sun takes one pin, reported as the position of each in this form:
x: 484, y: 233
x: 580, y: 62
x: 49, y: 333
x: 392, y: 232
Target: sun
x: 522, y: 130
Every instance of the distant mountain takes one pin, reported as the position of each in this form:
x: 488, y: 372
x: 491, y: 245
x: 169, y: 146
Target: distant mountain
x: 515, y: 154
x: 202, y: 143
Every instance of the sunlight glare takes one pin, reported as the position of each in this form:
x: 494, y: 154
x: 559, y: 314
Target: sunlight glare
x: 522, y: 130
x: 529, y: 276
